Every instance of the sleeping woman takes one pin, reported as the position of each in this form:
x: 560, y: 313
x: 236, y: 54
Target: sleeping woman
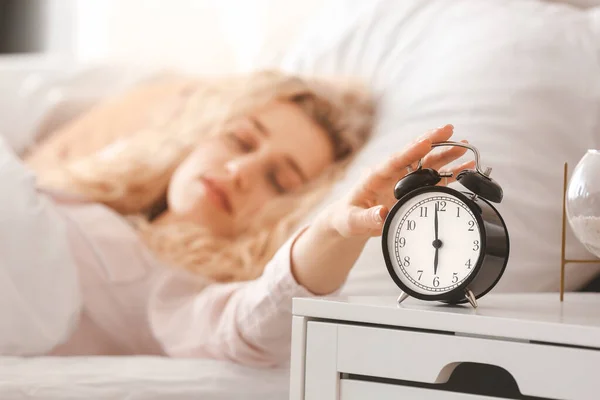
x: 174, y: 211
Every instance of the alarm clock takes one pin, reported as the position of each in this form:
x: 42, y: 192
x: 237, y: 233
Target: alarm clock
x: 444, y: 244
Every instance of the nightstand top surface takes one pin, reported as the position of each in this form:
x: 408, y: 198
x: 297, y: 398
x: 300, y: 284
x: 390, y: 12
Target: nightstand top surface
x: 531, y: 316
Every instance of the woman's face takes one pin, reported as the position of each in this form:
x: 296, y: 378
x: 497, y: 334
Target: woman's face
x: 229, y: 177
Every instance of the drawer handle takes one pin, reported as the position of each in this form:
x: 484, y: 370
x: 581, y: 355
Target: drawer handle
x: 478, y: 378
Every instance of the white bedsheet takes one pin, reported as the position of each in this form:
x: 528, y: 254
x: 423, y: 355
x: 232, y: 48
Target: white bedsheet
x: 136, y: 378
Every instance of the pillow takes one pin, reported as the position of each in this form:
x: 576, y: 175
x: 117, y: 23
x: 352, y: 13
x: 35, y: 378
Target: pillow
x: 37, y: 97
x: 579, y: 3
x: 519, y: 79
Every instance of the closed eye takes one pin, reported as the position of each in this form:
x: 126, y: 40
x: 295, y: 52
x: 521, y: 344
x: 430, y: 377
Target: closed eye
x: 274, y: 182
x: 242, y: 144
x: 284, y: 179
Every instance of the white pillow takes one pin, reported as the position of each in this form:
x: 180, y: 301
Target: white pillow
x: 519, y: 79
x: 38, y: 96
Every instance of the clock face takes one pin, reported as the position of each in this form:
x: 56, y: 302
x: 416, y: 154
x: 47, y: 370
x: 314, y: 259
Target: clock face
x: 434, y: 242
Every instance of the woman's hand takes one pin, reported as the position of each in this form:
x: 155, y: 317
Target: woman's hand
x: 323, y: 255
x: 362, y: 212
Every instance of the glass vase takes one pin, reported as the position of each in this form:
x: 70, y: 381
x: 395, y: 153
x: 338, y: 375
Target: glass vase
x: 583, y: 201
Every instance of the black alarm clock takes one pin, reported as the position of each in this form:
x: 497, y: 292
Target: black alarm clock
x: 444, y: 244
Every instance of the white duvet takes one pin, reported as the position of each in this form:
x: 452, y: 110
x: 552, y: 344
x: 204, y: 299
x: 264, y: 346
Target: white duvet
x: 135, y: 378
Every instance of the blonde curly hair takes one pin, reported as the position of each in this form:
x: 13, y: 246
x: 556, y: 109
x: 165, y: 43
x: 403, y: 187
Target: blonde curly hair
x: 131, y: 174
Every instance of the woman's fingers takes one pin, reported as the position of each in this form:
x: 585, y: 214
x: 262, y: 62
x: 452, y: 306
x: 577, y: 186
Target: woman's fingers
x: 376, y: 187
x: 365, y: 221
x: 438, y: 160
x: 440, y: 134
x: 413, y: 153
x: 360, y: 221
x: 370, y: 202
x: 395, y: 167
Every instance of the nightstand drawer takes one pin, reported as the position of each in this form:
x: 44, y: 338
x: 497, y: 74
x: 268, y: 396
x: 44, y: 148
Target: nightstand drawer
x: 549, y: 371
x: 360, y: 390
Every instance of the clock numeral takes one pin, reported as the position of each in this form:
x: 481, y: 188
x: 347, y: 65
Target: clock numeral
x: 402, y: 242
x: 441, y: 205
x: 475, y: 245
x: 471, y: 226
x: 455, y: 277
x: 436, y: 281
x: 411, y: 225
x: 420, y: 272
x: 468, y: 264
x: 424, y: 212
x: 457, y: 212
x: 406, y: 262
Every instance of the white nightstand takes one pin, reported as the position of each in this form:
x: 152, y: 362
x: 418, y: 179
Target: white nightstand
x: 371, y: 348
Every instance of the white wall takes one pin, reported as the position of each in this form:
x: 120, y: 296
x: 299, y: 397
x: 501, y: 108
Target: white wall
x: 57, y: 26
x: 205, y: 36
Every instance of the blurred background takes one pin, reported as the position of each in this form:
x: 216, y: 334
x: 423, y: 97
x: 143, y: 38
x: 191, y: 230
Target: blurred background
x: 205, y: 36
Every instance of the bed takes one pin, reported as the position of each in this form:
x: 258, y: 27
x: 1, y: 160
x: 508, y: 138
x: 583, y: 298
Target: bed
x: 512, y: 75
x: 149, y: 378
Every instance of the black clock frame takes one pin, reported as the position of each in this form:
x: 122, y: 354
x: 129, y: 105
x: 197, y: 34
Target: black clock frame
x: 493, y: 258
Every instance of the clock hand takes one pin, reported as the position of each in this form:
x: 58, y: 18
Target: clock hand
x: 435, y: 222
x: 436, y: 241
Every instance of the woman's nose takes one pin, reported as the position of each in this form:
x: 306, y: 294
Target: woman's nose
x: 244, y: 171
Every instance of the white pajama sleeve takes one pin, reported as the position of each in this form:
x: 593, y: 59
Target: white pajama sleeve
x: 40, y: 295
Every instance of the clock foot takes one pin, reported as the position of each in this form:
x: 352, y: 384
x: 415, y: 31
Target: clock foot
x: 402, y: 297
x: 471, y: 297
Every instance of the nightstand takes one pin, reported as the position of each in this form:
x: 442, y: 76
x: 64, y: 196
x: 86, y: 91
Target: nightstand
x: 371, y: 348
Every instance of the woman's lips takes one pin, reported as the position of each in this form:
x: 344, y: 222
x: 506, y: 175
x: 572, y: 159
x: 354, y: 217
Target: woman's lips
x: 217, y: 194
